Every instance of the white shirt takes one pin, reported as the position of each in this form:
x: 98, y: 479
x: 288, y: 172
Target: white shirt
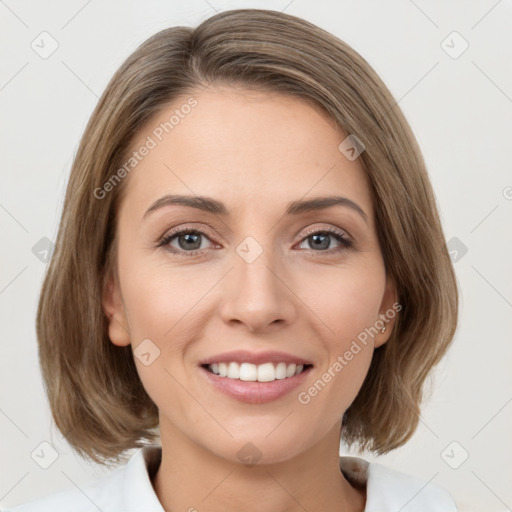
x: 129, y: 489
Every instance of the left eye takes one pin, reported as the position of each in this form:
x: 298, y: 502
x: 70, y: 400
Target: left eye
x: 321, y: 240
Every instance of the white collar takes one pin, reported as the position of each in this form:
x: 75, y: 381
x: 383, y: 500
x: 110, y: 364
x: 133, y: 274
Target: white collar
x: 129, y: 489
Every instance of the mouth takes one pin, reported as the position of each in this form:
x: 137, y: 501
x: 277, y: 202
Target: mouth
x: 249, y: 372
x: 255, y: 378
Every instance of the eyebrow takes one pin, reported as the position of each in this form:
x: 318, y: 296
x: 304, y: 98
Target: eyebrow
x: 211, y: 205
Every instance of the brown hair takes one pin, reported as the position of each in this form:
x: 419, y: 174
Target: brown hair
x: 96, y: 397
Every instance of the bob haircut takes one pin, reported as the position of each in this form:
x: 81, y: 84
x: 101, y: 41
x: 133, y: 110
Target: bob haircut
x: 96, y: 397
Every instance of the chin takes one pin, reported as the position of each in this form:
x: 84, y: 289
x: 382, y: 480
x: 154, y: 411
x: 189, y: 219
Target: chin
x: 264, y: 444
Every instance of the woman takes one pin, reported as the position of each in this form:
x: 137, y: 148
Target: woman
x: 250, y: 266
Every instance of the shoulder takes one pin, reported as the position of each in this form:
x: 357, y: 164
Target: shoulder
x: 127, y: 488
x: 86, y: 498
x: 391, y: 490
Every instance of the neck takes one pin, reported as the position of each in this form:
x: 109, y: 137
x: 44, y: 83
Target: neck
x: 192, y: 478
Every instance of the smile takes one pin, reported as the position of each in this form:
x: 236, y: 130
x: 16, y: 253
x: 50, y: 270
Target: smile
x: 255, y: 377
x: 267, y: 372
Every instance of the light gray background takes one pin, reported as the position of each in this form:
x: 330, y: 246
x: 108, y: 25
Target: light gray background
x: 460, y: 110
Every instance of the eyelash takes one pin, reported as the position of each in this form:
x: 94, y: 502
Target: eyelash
x: 338, y: 234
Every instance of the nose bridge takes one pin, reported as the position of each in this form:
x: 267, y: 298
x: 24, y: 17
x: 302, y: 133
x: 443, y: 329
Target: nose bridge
x: 255, y: 269
x: 257, y: 294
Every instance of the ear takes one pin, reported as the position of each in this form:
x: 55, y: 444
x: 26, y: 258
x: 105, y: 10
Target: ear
x: 113, y: 307
x: 388, y: 312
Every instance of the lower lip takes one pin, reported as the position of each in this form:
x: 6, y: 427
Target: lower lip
x: 255, y: 392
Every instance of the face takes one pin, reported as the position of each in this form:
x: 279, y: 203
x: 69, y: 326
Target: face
x: 255, y: 273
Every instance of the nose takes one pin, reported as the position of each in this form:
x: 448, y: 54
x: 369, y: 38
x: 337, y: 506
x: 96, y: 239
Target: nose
x: 258, y: 295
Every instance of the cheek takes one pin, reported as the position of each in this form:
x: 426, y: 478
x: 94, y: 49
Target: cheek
x: 167, y: 307
x: 346, y: 301
x: 158, y: 300
x: 347, y: 307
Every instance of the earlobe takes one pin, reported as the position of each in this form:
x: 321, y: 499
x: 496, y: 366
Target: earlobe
x: 387, y: 314
x: 113, y: 308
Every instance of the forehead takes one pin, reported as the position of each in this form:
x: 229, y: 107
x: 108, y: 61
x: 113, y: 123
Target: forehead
x: 242, y: 146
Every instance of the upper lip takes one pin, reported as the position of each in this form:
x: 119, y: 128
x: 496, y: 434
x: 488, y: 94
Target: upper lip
x: 245, y: 356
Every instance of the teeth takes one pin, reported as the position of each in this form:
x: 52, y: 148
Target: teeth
x: 247, y: 372
x: 290, y: 370
x: 233, y: 371
x: 266, y: 372
x: 281, y: 371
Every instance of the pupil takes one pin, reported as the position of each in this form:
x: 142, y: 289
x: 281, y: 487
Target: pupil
x: 322, y: 244
x: 190, y: 238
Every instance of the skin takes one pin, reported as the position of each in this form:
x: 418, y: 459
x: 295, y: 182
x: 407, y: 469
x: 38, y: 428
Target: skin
x: 256, y: 152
